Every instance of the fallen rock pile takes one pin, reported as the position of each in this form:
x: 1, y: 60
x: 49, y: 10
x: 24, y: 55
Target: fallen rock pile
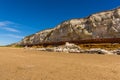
x: 69, y: 48
x: 72, y: 48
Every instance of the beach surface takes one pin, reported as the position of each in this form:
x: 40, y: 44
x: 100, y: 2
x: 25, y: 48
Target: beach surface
x: 28, y: 64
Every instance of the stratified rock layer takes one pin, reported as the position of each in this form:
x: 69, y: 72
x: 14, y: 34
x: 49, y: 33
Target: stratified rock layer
x: 100, y: 25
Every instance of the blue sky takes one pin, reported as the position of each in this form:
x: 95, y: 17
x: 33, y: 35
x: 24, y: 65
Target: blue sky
x: 19, y: 18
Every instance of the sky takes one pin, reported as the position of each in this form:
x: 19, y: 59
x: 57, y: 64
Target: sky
x: 19, y: 18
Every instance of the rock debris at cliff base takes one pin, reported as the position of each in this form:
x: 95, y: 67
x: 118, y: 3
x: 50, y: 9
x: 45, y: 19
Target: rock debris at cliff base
x: 72, y: 48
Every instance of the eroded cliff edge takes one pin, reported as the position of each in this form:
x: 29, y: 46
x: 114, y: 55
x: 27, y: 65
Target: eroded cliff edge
x: 100, y: 25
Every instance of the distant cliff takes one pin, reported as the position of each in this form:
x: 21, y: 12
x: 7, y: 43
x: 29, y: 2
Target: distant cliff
x: 100, y: 25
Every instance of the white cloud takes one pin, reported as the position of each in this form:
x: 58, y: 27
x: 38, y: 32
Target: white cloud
x: 14, y: 36
x: 11, y: 29
x: 4, y: 23
x: 11, y: 36
x: 9, y: 26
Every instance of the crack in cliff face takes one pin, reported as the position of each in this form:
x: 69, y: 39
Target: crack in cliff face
x: 100, y: 25
x: 48, y: 36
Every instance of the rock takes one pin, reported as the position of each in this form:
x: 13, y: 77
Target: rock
x: 68, y: 48
x: 50, y: 49
x: 116, y: 52
x: 45, y: 49
x: 74, y: 51
x: 103, y: 51
x: 98, y: 51
x: 71, y: 46
x: 58, y: 49
x: 65, y: 50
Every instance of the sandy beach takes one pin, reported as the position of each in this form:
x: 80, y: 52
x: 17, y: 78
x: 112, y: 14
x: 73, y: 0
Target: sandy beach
x: 26, y: 64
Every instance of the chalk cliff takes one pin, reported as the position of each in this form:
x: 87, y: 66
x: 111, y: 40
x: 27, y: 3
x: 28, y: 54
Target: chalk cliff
x: 104, y: 24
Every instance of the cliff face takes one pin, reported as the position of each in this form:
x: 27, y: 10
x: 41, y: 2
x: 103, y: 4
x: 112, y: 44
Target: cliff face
x: 100, y: 25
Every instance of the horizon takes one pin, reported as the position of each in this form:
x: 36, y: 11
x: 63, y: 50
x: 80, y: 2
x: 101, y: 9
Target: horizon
x: 20, y: 18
